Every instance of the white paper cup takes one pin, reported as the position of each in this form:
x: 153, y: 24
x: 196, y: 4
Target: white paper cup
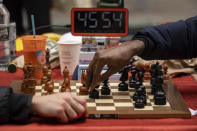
x: 69, y: 52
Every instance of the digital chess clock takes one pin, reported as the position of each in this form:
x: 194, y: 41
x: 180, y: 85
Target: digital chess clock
x: 99, y: 21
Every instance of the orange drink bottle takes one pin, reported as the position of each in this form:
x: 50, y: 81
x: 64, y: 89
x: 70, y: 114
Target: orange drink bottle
x: 34, y: 52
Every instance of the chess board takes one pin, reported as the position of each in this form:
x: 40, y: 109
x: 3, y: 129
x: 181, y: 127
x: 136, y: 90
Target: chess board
x: 119, y: 104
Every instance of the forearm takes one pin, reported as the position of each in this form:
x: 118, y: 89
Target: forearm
x: 176, y: 40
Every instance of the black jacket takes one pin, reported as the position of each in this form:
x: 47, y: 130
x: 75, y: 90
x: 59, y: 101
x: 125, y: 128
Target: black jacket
x: 177, y: 40
x: 14, y: 107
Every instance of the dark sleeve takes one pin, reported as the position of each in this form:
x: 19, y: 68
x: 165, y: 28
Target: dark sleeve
x: 177, y: 40
x: 14, y: 107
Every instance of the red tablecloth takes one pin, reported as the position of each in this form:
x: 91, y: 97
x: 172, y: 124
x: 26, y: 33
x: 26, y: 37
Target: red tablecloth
x: 186, y: 85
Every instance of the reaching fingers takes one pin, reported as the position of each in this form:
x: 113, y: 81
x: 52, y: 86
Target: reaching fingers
x: 96, y: 74
x: 109, y: 72
x: 90, y: 70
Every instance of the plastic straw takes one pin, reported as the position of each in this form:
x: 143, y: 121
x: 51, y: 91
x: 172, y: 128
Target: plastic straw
x: 33, y: 26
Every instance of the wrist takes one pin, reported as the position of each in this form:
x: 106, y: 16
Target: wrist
x: 138, y: 47
x: 135, y: 47
x: 33, y: 104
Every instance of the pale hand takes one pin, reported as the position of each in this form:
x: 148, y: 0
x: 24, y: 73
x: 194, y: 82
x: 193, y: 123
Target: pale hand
x: 65, y: 106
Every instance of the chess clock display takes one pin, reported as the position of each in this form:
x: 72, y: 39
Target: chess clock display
x: 99, y: 21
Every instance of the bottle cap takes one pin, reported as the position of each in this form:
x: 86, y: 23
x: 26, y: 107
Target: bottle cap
x: 12, y: 68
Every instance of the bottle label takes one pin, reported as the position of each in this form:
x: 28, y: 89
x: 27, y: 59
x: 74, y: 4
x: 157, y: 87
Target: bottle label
x: 4, y: 33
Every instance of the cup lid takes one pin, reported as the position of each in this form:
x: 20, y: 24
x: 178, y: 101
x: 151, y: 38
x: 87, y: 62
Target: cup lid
x: 31, y: 37
x: 69, y: 42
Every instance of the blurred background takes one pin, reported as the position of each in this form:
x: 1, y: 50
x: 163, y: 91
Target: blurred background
x: 142, y: 13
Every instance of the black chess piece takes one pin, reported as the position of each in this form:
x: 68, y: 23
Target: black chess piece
x: 123, y: 86
x: 142, y: 90
x: 94, y: 94
x: 140, y: 76
x: 157, y: 83
x: 105, y: 88
x: 153, y: 89
x: 140, y: 93
x: 153, y: 84
x: 152, y: 80
x: 135, y: 96
x: 97, y: 86
x: 137, y: 84
x: 133, y: 79
x: 156, y: 77
x: 139, y: 103
x: 160, y: 98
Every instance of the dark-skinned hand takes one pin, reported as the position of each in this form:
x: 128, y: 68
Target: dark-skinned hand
x: 115, y: 58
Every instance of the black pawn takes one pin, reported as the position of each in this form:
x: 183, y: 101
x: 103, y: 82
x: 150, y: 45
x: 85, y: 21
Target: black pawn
x: 140, y: 93
x: 123, y: 86
x: 105, y: 89
x: 139, y: 103
x: 142, y: 90
x: 135, y: 96
x: 160, y: 98
x: 94, y: 94
x: 137, y: 85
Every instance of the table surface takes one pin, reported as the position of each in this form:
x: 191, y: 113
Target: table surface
x: 186, y: 85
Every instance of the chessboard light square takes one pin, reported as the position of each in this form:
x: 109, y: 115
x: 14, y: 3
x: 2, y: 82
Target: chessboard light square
x: 126, y: 104
x: 43, y: 91
x: 91, y: 104
x: 56, y: 84
x: 148, y: 101
x: 103, y: 108
x: 78, y: 84
x: 167, y: 103
x: 148, y: 90
x: 84, y: 97
x: 104, y: 100
x: 56, y: 90
x: 150, y: 96
x: 113, y: 84
x: 145, y: 108
x: 146, y: 84
x: 121, y: 97
x: 131, y: 93
x: 73, y: 87
x: 38, y: 87
x: 38, y: 94
x: 114, y: 90
x: 77, y: 90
